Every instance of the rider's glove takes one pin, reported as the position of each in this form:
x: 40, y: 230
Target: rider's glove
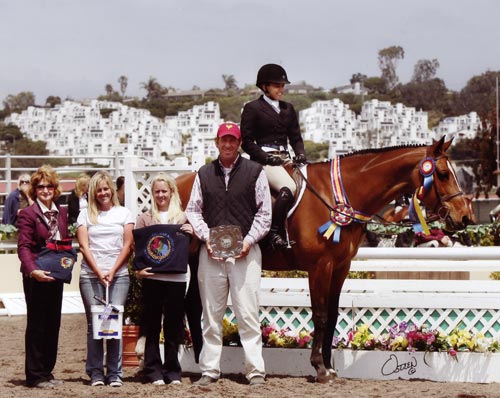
x: 273, y: 160
x: 300, y: 159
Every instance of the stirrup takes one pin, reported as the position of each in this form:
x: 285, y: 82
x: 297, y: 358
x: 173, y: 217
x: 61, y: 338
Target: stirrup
x: 278, y: 243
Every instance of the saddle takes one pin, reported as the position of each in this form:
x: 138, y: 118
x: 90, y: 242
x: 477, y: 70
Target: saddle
x: 299, y: 185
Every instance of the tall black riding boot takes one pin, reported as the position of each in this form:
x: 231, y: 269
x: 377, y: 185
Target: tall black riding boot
x: 283, y: 203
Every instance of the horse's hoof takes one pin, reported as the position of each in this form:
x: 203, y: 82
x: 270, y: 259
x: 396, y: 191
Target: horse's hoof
x: 327, y: 377
x: 332, y: 373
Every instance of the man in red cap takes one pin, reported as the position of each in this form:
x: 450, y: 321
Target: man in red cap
x: 230, y: 192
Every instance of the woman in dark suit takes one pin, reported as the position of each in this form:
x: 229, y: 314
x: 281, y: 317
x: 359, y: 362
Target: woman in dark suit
x: 268, y: 124
x: 38, y: 223
x: 77, y: 199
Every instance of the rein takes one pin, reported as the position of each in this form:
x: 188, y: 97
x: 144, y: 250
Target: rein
x: 344, y: 214
x: 312, y: 189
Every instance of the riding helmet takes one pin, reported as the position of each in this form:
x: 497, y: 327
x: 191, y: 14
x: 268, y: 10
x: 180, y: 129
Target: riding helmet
x: 271, y: 73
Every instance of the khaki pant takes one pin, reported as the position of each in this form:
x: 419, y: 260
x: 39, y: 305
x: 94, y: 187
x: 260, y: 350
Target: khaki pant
x: 242, y: 279
x: 279, y: 178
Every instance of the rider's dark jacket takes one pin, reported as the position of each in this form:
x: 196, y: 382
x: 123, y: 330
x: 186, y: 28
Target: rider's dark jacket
x: 261, y: 126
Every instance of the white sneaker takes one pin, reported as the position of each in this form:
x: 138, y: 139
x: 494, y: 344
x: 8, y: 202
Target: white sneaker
x: 175, y: 382
x: 158, y: 383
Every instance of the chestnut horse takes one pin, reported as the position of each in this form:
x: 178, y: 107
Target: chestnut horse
x: 371, y: 179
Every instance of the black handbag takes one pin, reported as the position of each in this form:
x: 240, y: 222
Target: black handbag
x: 163, y: 247
x: 58, y: 257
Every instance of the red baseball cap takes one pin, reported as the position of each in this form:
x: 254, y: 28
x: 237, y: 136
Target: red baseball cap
x: 229, y: 129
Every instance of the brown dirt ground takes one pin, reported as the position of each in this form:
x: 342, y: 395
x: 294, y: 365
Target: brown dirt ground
x: 71, y: 361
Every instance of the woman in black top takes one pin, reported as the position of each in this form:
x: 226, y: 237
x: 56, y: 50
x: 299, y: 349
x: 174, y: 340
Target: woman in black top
x: 268, y: 125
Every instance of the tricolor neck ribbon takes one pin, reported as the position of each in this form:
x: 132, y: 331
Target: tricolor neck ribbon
x: 342, y: 214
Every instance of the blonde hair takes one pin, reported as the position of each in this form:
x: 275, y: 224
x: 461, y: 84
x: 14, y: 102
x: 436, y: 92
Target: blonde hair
x: 97, y: 178
x: 175, y: 213
x: 48, y: 174
x: 81, y: 181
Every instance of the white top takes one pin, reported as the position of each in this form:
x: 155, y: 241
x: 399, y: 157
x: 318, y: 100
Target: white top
x: 83, y: 203
x: 105, y: 237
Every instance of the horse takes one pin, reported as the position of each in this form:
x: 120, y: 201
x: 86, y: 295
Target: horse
x: 370, y: 179
x: 396, y: 215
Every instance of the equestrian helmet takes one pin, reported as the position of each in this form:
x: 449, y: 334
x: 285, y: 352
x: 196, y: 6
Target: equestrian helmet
x: 271, y: 73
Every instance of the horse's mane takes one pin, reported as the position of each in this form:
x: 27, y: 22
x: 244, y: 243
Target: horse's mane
x: 378, y: 150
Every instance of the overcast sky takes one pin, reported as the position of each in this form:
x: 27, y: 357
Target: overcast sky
x: 73, y: 48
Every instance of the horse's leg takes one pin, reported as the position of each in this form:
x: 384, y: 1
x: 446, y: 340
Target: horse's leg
x: 333, y: 311
x: 319, y: 286
x: 193, y: 307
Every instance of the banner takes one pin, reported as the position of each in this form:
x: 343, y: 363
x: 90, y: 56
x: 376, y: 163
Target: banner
x: 163, y: 247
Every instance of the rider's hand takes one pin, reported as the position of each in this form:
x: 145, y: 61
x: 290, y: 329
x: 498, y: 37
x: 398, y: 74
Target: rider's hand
x: 274, y: 160
x: 300, y: 159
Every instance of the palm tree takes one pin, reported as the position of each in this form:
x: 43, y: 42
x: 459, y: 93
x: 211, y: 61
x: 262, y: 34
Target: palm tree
x: 229, y: 82
x: 153, y: 88
x: 123, y: 81
x: 109, y: 89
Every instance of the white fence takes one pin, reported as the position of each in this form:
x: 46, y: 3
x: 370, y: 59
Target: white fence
x: 444, y: 305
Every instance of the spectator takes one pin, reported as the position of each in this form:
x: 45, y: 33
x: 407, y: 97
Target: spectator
x: 39, y: 223
x: 435, y: 238
x: 78, y: 198
x: 231, y: 190
x: 496, y: 210
x: 120, y: 189
x: 104, y: 231
x: 17, y: 200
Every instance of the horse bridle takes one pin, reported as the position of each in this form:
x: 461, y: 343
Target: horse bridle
x: 443, y: 211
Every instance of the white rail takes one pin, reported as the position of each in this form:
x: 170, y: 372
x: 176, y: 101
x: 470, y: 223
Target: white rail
x: 469, y: 259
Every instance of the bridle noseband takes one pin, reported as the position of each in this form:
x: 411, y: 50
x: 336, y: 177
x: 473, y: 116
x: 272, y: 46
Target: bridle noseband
x: 427, y: 170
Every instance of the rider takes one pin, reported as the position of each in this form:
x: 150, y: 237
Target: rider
x: 267, y: 125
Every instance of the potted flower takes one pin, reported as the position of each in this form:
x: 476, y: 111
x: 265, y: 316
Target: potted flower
x: 131, y: 319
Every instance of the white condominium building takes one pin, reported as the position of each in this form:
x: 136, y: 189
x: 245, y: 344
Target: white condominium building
x: 459, y: 127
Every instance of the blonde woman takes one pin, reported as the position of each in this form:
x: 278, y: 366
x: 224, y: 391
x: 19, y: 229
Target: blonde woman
x: 163, y: 294
x: 104, y: 231
x: 77, y: 199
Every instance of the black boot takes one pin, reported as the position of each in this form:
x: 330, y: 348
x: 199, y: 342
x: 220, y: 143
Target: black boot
x: 283, y: 203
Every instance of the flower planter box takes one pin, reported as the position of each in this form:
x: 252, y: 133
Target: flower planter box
x: 371, y: 365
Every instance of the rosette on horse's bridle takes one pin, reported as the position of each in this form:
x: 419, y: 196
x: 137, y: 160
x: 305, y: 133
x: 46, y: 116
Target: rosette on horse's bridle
x: 427, y: 168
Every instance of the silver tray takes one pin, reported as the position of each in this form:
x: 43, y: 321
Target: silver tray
x: 226, y: 241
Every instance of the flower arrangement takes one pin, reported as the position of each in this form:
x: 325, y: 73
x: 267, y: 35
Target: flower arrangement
x: 408, y: 337
x: 401, y: 337
x: 285, y: 338
x: 272, y: 336
x: 7, y: 231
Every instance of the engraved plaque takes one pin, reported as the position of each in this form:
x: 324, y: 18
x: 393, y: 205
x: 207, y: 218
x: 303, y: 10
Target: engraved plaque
x: 226, y: 241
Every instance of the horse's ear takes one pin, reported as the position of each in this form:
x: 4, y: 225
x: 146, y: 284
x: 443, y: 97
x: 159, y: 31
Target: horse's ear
x: 441, y: 146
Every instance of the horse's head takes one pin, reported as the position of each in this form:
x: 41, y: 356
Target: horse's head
x: 442, y: 194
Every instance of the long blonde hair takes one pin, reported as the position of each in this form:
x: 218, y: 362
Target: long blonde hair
x: 82, y: 181
x: 175, y: 213
x: 96, y: 179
